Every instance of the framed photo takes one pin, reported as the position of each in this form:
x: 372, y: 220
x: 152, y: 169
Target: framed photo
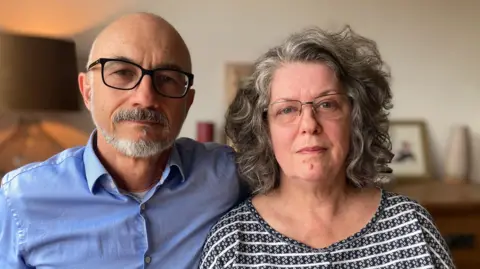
x: 410, y: 146
x: 235, y: 73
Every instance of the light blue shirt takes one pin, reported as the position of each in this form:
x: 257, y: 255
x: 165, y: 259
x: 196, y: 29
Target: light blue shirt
x: 67, y: 212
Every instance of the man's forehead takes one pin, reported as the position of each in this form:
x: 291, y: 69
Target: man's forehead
x: 148, y: 55
x: 147, y: 40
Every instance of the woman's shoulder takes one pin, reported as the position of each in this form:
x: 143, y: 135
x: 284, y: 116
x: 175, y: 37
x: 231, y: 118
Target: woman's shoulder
x: 399, y: 206
x: 224, y: 236
x: 397, y: 199
x: 395, y: 204
x: 237, y: 220
x: 237, y: 215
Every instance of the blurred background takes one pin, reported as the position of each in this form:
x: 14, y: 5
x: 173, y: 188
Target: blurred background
x: 431, y: 47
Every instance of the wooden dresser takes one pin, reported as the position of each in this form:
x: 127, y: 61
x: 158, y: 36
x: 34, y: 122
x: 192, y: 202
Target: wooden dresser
x: 456, y: 212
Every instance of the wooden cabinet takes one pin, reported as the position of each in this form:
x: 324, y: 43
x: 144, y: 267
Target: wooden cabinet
x: 455, y: 209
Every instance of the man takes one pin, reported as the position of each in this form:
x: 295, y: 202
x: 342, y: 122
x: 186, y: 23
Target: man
x: 133, y: 197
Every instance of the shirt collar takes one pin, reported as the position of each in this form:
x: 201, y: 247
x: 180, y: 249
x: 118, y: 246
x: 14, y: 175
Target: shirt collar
x: 176, y: 160
x: 94, y: 169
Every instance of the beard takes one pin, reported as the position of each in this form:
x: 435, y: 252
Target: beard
x: 141, y: 148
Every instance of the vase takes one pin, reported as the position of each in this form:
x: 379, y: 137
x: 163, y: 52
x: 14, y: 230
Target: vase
x: 457, y: 157
x: 205, y: 132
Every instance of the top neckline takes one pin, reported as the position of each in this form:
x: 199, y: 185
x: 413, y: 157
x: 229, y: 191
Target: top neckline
x: 334, y: 246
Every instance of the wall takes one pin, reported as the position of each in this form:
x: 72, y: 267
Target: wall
x: 431, y: 46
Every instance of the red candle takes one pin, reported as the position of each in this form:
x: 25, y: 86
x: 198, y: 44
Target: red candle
x: 205, y: 131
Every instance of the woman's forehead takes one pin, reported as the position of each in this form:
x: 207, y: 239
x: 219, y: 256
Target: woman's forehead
x: 303, y: 80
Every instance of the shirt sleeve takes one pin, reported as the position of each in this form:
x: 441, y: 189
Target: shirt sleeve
x: 222, y: 243
x: 208, y: 262
x: 437, y: 245
x: 10, y: 254
x: 210, y: 257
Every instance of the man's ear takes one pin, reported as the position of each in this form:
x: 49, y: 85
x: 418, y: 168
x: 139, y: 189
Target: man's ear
x: 190, y: 97
x: 85, y: 88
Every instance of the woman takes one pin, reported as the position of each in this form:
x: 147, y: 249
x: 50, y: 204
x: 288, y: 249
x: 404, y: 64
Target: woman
x: 311, y: 132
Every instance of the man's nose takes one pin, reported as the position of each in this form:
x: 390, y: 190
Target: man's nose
x: 145, y: 93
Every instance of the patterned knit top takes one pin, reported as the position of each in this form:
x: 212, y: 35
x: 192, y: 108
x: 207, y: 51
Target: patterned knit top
x: 401, y: 234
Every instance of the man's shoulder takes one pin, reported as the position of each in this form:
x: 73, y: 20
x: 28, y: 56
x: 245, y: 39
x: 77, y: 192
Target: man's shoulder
x: 36, y: 174
x: 210, y: 155
x: 211, y: 162
x: 203, y: 150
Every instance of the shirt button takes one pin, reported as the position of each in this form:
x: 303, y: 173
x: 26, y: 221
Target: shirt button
x: 142, y: 207
x: 148, y: 259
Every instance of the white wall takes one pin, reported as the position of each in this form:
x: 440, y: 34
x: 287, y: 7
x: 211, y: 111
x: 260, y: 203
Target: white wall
x: 432, y: 46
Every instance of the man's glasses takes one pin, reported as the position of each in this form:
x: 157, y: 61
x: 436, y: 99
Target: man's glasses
x: 124, y: 75
x: 330, y: 106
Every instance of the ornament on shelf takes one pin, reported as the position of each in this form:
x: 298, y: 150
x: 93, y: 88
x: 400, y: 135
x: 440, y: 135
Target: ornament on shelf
x: 205, y: 131
x: 457, y: 157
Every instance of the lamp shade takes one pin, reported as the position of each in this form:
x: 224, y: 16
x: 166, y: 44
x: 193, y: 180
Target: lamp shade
x: 37, y: 73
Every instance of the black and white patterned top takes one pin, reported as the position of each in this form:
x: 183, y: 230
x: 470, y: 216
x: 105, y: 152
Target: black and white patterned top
x: 400, y: 235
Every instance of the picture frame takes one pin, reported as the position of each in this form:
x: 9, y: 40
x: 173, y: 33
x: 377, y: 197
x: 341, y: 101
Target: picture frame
x: 410, y: 146
x: 235, y: 73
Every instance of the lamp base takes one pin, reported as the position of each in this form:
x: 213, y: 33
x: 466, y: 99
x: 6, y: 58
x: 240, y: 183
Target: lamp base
x: 28, y: 143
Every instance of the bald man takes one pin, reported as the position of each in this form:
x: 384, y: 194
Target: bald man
x: 135, y: 196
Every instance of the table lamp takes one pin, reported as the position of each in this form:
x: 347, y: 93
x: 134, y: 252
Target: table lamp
x: 37, y: 74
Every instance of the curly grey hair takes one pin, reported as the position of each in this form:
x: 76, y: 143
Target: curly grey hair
x: 361, y: 71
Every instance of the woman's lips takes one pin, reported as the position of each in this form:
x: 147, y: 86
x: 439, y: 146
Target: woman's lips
x: 314, y: 149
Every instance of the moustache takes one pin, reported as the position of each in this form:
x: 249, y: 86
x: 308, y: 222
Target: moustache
x: 141, y: 114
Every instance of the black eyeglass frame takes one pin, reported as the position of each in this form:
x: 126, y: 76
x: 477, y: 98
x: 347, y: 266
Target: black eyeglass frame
x: 149, y: 72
